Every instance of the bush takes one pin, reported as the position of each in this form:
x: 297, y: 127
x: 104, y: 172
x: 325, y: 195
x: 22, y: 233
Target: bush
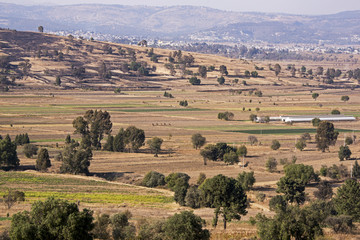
x: 246, y: 180
x: 344, y: 153
x: 349, y: 140
x: 226, y: 116
x: 260, y: 197
x: 30, y: 150
x: 183, y: 103
x: 43, y: 160
x: 252, y: 139
x: 300, y: 145
x: 342, y: 223
x: 275, y: 145
x: 231, y: 158
x: 271, y: 164
x: 194, y: 81
x: 335, y: 112
x: 153, y: 179
x: 221, y: 80
x: 277, y: 203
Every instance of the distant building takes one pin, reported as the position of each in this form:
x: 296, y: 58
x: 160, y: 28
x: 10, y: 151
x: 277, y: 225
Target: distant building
x: 308, y: 118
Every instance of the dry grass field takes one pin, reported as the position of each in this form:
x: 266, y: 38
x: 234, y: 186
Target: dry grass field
x: 46, y: 112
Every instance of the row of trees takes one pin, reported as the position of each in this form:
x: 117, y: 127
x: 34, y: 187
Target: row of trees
x: 226, y: 195
x: 59, y: 219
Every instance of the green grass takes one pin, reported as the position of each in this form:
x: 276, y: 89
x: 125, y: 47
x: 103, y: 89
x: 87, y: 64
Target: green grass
x: 40, y: 187
x: 4, y: 219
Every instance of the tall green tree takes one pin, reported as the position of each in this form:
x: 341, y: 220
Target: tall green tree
x: 315, y: 96
x: 8, y: 154
x: 246, y: 180
x: 347, y: 199
x: 93, y: 126
x: 52, y: 219
x: 325, y: 135
x: 179, y: 183
x: 119, y: 141
x: 356, y: 170
x: 226, y: 196
x: 304, y: 173
x: 75, y: 160
x: 293, y: 189
x: 43, y: 160
x: 134, y: 138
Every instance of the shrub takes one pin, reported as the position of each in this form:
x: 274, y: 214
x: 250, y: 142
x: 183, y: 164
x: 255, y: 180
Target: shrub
x: 260, y: 197
x: 275, y: 145
x: 153, y: 179
x: 231, y: 158
x: 30, y: 150
x: 194, y: 81
x: 271, y: 164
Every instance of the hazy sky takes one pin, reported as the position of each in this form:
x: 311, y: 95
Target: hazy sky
x: 284, y: 6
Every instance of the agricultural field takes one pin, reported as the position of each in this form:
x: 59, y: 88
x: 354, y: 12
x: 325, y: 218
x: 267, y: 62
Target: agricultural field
x: 46, y: 113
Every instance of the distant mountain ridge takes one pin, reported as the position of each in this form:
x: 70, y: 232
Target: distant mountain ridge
x: 185, y: 23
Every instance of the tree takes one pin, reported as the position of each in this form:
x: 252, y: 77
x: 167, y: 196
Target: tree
x: 109, y: 145
x: 345, y: 98
x: 319, y: 71
x: 242, y: 151
x: 291, y: 223
x: 305, y: 137
x: 194, y: 81
x: 75, y: 160
x: 347, y: 199
x: 12, y: 197
x: 254, y: 74
x: 119, y: 141
x: 344, y: 153
x: 30, y: 150
x: 179, y: 183
x: 193, y: 197
x: 335, y: 112
x: 275, y: 145
x: 121, y: 227
x: 155, y: 145
x: 183, y: 103
x: 93, y: 125
x: 315, y: 96
x: 246, y: 180
x: 304, y: 173
x: 252, y: 139
x: 8, y: 154
x: 185, y: 226
x: 316, y: 122
x: 43, y: 160
x: 226, y: 196
x: 300, y: 145
x: 103, y: 71
x: 223, y: 70
x: 356, y: 170
x: 153, y: 179
x: 277, y: 203
x: 253, y: 117
x: 271, y: 164
x: 134, y: 138
x: 324, y: 191
x: 52, y: 219
x: 349, y: 140
x: 231, y: 158
x: 293, y: 189
x: 203, y: 71
x: 325, y: 135
x: 277, y: 69
x: 198, y: 140
x: 101, y: 227
x: 41, y: 29
x: 340, y: 223
x: 221, y: 80
x: 226, y: 116
x: 58, y: 81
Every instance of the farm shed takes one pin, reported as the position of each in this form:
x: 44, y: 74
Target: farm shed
x: 309, y: 118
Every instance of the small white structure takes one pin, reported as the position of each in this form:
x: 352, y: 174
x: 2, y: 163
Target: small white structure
x: 309, y: 118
